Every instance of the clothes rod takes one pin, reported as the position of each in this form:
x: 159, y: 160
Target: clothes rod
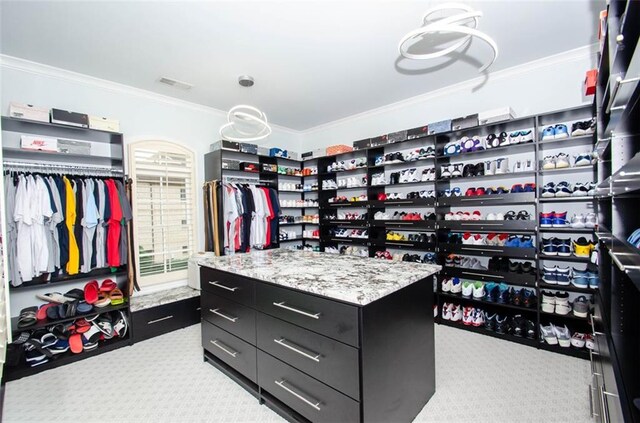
x: 8, y: 164
x: 247, y: 180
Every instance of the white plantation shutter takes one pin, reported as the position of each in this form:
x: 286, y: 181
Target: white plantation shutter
x: 164, y: 209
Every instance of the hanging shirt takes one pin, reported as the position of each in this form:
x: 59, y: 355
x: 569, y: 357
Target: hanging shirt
x: 23, y: 216
x: 101, y: 259
x: 12, y: 230
x: 63, y: 230
x: 89, y: 223
x: 114, y: 225
x: 51, y: 263
x: 127, y: 215
x: 41, y: 214
x: 73, y: 265
x: 78, y: 188
x: 56, y: 219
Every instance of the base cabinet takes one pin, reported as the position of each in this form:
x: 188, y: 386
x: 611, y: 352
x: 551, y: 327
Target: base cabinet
x: 317, y: 359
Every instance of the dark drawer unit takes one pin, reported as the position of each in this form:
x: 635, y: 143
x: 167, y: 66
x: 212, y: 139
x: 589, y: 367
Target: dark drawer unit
x: 166, y: 318
x: 231, y: 316
x: 312, y: 399
x: 226, y: 285
x: 327, y: 360
x: 230, y: 349
x: 331, y: 318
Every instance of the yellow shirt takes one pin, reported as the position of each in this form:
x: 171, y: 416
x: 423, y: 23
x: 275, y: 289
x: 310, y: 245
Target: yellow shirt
x: 73, y: 265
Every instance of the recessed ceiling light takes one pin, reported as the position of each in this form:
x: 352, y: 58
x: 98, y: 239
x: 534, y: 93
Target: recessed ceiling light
x: 245, y: 80
x: 175, y: 83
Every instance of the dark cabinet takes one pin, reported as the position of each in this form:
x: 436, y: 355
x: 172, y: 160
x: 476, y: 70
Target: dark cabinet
x: 166, y: 318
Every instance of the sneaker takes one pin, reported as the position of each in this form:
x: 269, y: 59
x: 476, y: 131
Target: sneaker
x: 583, y: 159
x: 546, y: 219
x: 490, y: 321
x: 563, y: 189
x: 562, y: 161
x: 456, y: 285
x: 502, y: 166
x: 529, y: 166
x: 588, y: 341
x: 467, y: 289
x: 549, y: 190
x: 548, y: 133
x: 530, y: 329
x: 580, y: 278
x: 594, y: 280
x: 563, y: 247
x: 582, y: 247
x: 581, y: 306
x: 505, y: 293
x: 562, y: 303
x: 559, y: 220
x: 548, y: 304
x: 563, y: 335
x: 518, y: 167
x: 548, y: 334
x: 590, y: 221
x: 549, y: 247
x: 561, y: 131
x: 592, y: 189
x: 529, y: 298
x: 580, y: 190
x: 492, y: 292
x: 563, y: 275
x: 468, y: 315
x: 502, y: 325
x: 578, y: 221
x: 578, y: 340
x: 446, y: 311
x: 518, y: 325
x: 550, y: 275
x: 489, y: 167
x: 549, y: 162
x: 446, y: 285
x: 478, y: 318
x: 526, y: 241
x: 478, y: 290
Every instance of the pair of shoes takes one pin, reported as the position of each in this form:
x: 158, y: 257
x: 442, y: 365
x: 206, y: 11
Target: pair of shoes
x: 452, y: 285
x: 499, y: 166
x: 557, y: 302
x: 521, y: 137
x: 521, y: 215
x: 584, y: 279
x: 556, y: 247
x: 581, y: 221
x: 583, y: 248
x: 555, y: 132
x: 585, y: 127
x: 452, y: 312
x: 473, y: 289
x: 554, y: 335
x: 523, y: 166
x: 524, y: 241
x: 497, y: 323
x: 522, y: 327
x: 553, y: 220
x: 559, y: 161
x: 556, y: 275
x: 529, y: 187
x: 585, y: 159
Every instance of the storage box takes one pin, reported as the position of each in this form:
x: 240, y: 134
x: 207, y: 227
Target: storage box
x: 464, y: 122
x: 74, y: 147
x: 64, y: 117
x: 590, y: 82
x: 338, y: 149
x: 266, y: 167
x: 230, y: 164
x: 278, y: 152
x: 38, y: 142
x: 293, y: 155
x: 361, y: 144
x: 104, y: 124
x: 496, y: 115
x: 419, y: 132
x: 378, y: 141
x: 225, y: 145
x: 263, y: 151
x: 28, y: 112
x: 246, y: 147
x: 319, y: 152
x: 440, y: 127
x: 397, y: 136
x: 249, y: 167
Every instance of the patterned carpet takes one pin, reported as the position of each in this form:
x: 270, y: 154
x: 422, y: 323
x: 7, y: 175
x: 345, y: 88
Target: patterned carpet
x: 165, y: 379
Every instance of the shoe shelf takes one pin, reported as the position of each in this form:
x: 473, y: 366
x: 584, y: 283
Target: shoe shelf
x: 626, y: 258
x: 291, y: 240
x: 405, y: 224
x: 488, y: 200
x: 577, y: 140
x: 487, y: 177
x: 361, y: 188
x: 459, y: 297
x: 502, y: 149
x: 401, y: 184
x: 573, y: 259
x: 488, y: 225
x: 582, y: 199
x: 483, y: 331
x: 409, y: 245
x: 570, y: 316
x: 568, y: 288
x: 24, y: 370
x: 291, y: 190
x: 422, y: 202
x: 362, y: 204
x: 338, y: 172
x: 572, y: 351
x: 298, y: 207
x: 626, y: 180
x: 346, y: 223
x: 566, y: 169
x: 408, y: 164
x: 566, y: 230
x: 296, y: 223
x: 489, y: 250
x: 357, y: 241
x: 47, y: 322
x: 94, y: 274
x: 512, y: 278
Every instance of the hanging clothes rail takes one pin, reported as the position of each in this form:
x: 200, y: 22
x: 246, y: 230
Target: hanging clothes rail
x: 73, y: 169
x: 232, y: 179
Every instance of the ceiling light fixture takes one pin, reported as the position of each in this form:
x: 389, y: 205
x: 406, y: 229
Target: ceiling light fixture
x: 450, y: 24
x: 244, y: 124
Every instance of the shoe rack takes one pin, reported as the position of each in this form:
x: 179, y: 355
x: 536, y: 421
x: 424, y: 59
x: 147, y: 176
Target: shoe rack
x: 615, y: 385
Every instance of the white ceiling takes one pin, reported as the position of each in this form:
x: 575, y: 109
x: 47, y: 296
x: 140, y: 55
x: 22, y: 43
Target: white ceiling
x: 313, y: 62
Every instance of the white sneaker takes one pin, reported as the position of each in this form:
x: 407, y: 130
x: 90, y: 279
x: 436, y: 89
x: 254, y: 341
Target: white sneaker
x: 446, y: 311
x: 489, y: 167
x: 446, y: 285
x: 591, y: 221
x: 457, y: 169
x: 578, y: 221
x: 491, y: 216
x: 467, y: 315
x: 502, y: 166
x: 528, y: 166
x: 456, y: 286
x: 467, y: 289
x: 478, y: 319
x: 548, y: 303
x: 562, y: 307
x: 456, y: 313
x: 445, y: 171
x: 563, y: 335
x: 549, y: 162
x: 549, y: 334
x: 518, y: 167
x: 562, y: 161
x: 478, y: 290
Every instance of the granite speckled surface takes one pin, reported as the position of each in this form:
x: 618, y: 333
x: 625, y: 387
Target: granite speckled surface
x: 142, y: 302
x: 351, y: 279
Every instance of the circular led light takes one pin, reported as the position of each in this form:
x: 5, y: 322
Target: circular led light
x: 451, y: 24
x: 245, y: 123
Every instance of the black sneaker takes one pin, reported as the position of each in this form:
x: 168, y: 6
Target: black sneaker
x: 494, y: 263
x: 530, y: 329
x: 502, y: 324
x: 517, y: 297
x: 518, y: 326
x: 490, y: 321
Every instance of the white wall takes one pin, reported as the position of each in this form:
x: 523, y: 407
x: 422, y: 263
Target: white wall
x: 143, y: 115
x: 544, y: 85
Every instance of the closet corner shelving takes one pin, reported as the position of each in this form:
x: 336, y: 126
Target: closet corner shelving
x: 106, y: 160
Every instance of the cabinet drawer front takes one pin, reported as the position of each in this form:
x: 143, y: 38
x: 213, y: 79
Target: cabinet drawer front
x: 335, y: 320
x: 232, y: 350
x: 155, y: 321
x: 327, y: 360
x: 227, y: 285
x: 230, y: 316
x: 309, y: 397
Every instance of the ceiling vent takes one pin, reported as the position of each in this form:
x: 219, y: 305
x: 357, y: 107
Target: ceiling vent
x: 175, y: 83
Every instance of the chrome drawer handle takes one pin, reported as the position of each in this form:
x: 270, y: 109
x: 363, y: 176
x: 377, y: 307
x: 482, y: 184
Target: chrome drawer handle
x: 224, y: 316
x: 313, y: 356
x: 224, y: 348
x: 150, y: 322
x: 313, y: 404
x: 215, y: 283
x: 282, y: 304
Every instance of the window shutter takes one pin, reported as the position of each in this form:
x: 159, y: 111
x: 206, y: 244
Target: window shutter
x: 164, y: 209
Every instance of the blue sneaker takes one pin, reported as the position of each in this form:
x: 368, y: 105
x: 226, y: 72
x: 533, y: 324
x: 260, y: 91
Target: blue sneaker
x: 549, y: 133
x: 456, y: 286
x: 563, y: 275
x: 549, y: 190
x: 634, y: 238
x: 559, y: 220
x: 517, y: 188
x: 550, y: 275
x: 492, y: 292
x: 594, y: 280
x: 379, y: 160
x: 564, y: 247
x: 563, y: 189
x: 505, y: 294
x: 561, y: 131
x: 549, y: 247
x: 546, y: 219
x: 512, y: 241
x: 580, y: 278
x: 526, y: 241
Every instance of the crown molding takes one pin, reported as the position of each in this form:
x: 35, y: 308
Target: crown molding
x: 565, y: 57
x: 23, y: 65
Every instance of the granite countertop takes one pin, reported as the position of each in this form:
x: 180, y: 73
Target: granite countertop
x: 351, y: 279
x: 142, y: 302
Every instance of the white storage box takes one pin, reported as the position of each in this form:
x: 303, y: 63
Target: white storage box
x: 74, y: 147
x: 319, y: 152
x: 28, y: 112
x: 294, y: 156
x: 104, y: 124
x: 496, y: 115
x: 263, y: 151
x: 38, y: 142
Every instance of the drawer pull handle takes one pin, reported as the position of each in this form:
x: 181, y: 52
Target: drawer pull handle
x: 224, y: 316
x: 313, y: 356
x: 224, y: 348
x: 282, y: 304
x: 219, y: 285
x: 313, y: 403
x: 150, y: 322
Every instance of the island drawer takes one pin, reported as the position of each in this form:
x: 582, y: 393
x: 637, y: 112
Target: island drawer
x: 333, y: 319
x: 227, y: 285
x: 229, y: 348
x: 309, y: 397
x: 328, y: 360
x: 230, y: 316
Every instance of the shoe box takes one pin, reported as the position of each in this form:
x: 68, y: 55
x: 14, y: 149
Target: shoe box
x: 378, y: 141
x: 419, y: 132
x: 246, y: 147
x: 38, y: 142
x: 28, y: 112
x: 440, y: 127
x: 319, y: 152
x: 65, y: 117
x: 225, y: 145
x: 104, y: 124
x: 464, y: 122
x: 230, y: 164
x: 397, y: 136
x: 338, y: 149
x: 496, y: 115
x: 74, y: 147
x: 362, y: 144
